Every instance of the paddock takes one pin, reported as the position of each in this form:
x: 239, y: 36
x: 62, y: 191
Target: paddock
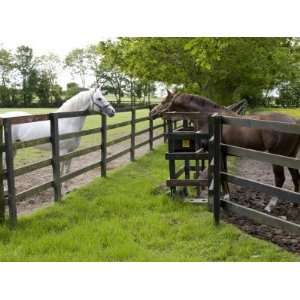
x: 131, y: 137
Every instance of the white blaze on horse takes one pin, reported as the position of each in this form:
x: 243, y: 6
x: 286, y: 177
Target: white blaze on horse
x: 91, y: 101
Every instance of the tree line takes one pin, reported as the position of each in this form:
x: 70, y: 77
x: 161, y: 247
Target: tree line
x: 223, y: 69
x: 27, y: 80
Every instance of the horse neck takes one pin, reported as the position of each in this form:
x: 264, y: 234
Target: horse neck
x: 79, y: 102
x: 211, y: 108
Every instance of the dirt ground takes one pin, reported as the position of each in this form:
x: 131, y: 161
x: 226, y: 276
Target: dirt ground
x: 42, y: 175
x: 262, y: 172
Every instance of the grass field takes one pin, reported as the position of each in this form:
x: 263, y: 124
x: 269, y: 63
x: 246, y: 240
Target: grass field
x: 294, y: 112
x: 29, y: 155
x: 124, y: 218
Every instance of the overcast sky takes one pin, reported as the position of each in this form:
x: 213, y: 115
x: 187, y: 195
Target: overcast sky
x: 61, y: 25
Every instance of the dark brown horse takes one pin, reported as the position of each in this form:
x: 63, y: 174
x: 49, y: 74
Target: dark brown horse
x: 253, y: 138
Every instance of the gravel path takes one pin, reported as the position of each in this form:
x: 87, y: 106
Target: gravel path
x: 262, y: 172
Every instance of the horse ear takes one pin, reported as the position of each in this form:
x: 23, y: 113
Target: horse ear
x: 169, y: 93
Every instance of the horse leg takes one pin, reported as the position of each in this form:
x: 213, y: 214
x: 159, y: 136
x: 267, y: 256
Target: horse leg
x: 62, y: 169
x: 67, y: 165
x: 65, y: 169
x: 62, y: 173
x: 296, y: 178
x: 279, y: 181
x: 225, y: 185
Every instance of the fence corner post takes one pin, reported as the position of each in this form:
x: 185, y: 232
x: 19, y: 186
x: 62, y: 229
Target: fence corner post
x: 2, y: 198
x: 150, y: 132
x: 54, y: 138
x: 103, y: 144
x: 132, y: 134
x: 9, y: 158
x: 217, y: 126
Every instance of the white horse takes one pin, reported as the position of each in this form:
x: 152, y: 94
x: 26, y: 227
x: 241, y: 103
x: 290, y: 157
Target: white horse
x: 91, y: 100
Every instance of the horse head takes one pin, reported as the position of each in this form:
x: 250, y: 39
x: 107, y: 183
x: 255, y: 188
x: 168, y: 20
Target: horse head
x: 100, y: 104
x: 164, y: 106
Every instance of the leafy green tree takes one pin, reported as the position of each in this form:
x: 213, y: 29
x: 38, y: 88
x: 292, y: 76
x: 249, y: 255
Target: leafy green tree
x: 25, y: 64
x: 43, y: 89
x: 224, y: 69
x: 115, y: 74
x: 72, y: 89
x: 94, y: 57
x: 48, y: 66
x: 110, y: 76
x: 57, y: 94
x: 78, y: 62
x: 289, y: 94
x: 6, y: 67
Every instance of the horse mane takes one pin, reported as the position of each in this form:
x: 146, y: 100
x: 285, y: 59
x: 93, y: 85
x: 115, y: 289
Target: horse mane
x: 201, y: 100
x: 79, y: 102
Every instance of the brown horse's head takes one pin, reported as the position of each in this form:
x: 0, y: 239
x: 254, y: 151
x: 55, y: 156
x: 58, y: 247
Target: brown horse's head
x: 182, y: 102
x: 164, y: 106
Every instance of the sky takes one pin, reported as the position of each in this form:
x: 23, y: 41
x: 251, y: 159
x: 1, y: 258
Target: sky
x: 59, y: 26
x: 49, y: 27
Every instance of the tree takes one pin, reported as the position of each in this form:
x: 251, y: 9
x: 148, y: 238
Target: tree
x: 6, y: 67
x: 78, y: 62
x: 48, y: 66
x: 115, y: 75
x: 93, y: 57
x: 72, y: 89
x: 109, y: 73
x: 224, y: 69
x: 43, y: 89
x: 25, y: 64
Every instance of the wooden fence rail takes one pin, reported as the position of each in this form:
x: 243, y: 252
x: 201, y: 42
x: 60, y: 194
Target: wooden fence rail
x: 7, y: 148
x: 221, y: 150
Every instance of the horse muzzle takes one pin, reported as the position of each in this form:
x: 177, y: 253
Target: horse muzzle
x: 110, y: 111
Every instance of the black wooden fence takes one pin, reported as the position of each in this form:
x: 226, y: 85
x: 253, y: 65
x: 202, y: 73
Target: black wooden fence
x: 219, y: 151
x: 185, y: 144
x: 8, y: 147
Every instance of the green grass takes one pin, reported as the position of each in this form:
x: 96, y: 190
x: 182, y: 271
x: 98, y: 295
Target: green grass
x: 29, y: 155
x: 121, y: 219
x: 294, y: 112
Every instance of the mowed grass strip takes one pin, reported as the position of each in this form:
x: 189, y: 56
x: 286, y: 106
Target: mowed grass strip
x: 123, y: 218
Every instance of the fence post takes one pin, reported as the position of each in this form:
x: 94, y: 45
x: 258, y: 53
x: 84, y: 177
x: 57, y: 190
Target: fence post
x: 54, y: 137
x: 151, y: 133
x: 165, y: 131
x: 172, y: 164
x: 210, y: 162
x: 103, y: 144
x: 9, y: 157
x: 217, y: 167
x: 2, y: 199
x: 186, y: 162
x: 132, y: 137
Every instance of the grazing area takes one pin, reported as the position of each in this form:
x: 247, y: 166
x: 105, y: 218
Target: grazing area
x: 128, y: 217
x: 28, y: 156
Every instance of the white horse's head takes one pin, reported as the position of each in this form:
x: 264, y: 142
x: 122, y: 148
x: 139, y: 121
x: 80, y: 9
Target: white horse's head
x: 100, y: 104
